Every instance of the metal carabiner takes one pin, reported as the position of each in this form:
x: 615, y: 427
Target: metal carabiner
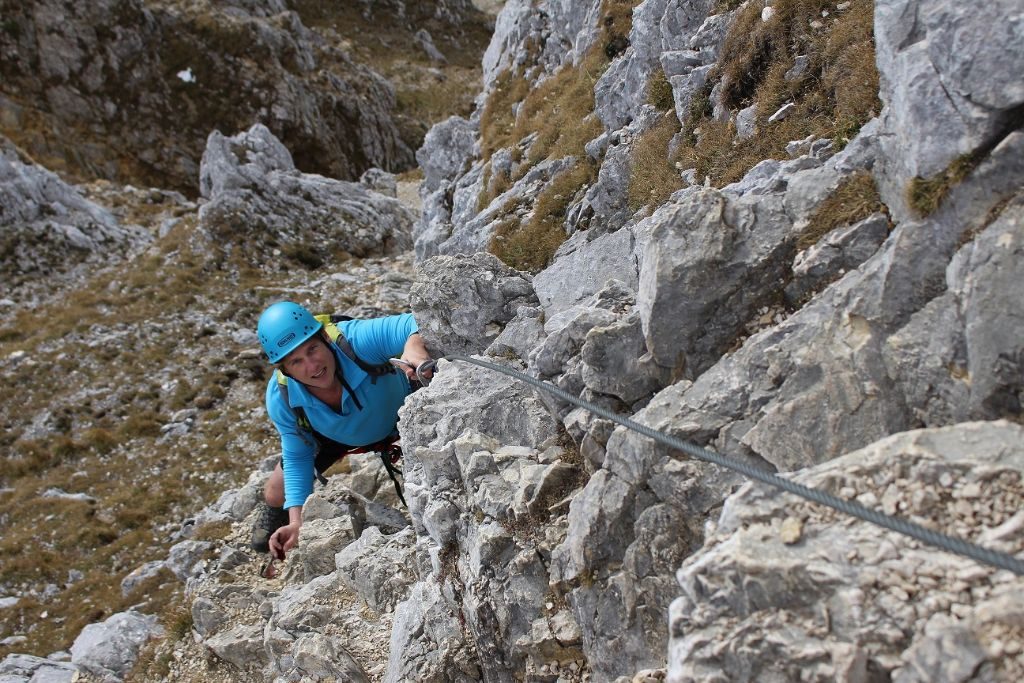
x: 423, y: 368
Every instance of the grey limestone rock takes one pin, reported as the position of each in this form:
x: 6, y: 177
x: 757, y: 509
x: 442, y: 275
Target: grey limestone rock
x: 298, y: 609
x: 447, y: 151
x: 840, y: 250
x: 713, y: 244
x: 582, y: 267
x: 15, y: 668
x: 929, y: 85
x: 189, y: 558
x: 961, y: 356
x: 207, y: 616
x: 567, y: 329
x: 459, y: 228
x: 49, y: 228
x: 109, y: 648
x: 379, y: 568
x: 240, y: 645
x: 745, y: 120
x: 254, y: 191
x: 321, y: 540
x: 854, y: 576
x: 524, y: 332
x: 323, y: 658
x: 140, y: 575
x: 615, y: 362
x: 380, y: 181
x: 463, y: 302
x: 605, y: 204
x: 427, y: 642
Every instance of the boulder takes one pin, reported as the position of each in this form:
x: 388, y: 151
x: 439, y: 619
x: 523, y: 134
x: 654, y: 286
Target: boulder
x: 109, y: 648
x: 323, y: 658
x: 16, y: 668
x: 256, y: 195
x: 240, y: 645
x: 50, y: 230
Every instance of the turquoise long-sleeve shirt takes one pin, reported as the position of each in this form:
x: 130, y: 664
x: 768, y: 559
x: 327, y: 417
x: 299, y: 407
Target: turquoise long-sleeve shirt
x: 373, y: 341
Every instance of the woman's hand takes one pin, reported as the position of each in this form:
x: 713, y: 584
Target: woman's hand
x: 415, y: 354
x: 284, y: 539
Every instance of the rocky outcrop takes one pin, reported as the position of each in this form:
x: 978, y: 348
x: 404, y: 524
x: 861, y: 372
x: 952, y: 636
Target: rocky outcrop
x: 256, y: 196
x: 727, y: 331
x: 967, y: 105
x: 109, y: 649
x: 50, y: 230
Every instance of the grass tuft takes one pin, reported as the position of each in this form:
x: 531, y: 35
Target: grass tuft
x: 532, y: 246
x: 854, y: 199
x: 653, y: 174
x: 925, y: 195
x: 659, y: 92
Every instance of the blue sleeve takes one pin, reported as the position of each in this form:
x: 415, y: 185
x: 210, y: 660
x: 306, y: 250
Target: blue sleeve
x: 298, y: 451
x: 378, y: 339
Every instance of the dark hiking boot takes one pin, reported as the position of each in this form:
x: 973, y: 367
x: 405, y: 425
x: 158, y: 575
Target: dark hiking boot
x: 268, y: 520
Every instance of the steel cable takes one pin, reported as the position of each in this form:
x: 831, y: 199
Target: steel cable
x: 934, y: 538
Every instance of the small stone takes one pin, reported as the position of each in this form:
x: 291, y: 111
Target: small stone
x: 971, y: 490
x: 791, y: 531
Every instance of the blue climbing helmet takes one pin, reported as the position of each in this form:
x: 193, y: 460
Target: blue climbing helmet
x: 283, y: 327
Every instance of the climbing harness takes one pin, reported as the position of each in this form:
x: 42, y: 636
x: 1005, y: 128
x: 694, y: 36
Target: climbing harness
x: 937, y: 539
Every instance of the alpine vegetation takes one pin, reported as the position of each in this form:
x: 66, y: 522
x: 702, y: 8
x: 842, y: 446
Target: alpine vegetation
x: 789, y: 233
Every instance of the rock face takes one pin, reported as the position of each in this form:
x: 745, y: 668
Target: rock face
x: 710, y: 319
x: 967, y: 104
x: 103, y: 67
x: 839, y: 590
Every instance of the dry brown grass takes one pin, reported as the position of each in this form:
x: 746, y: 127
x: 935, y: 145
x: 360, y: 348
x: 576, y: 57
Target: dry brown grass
x: 659, y: 92
x: 532, y: 245
x: 925, y: 195
x: 854, y: 199
x: 558, y: 113
x: 654, y: 175
x: 835, y: 97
